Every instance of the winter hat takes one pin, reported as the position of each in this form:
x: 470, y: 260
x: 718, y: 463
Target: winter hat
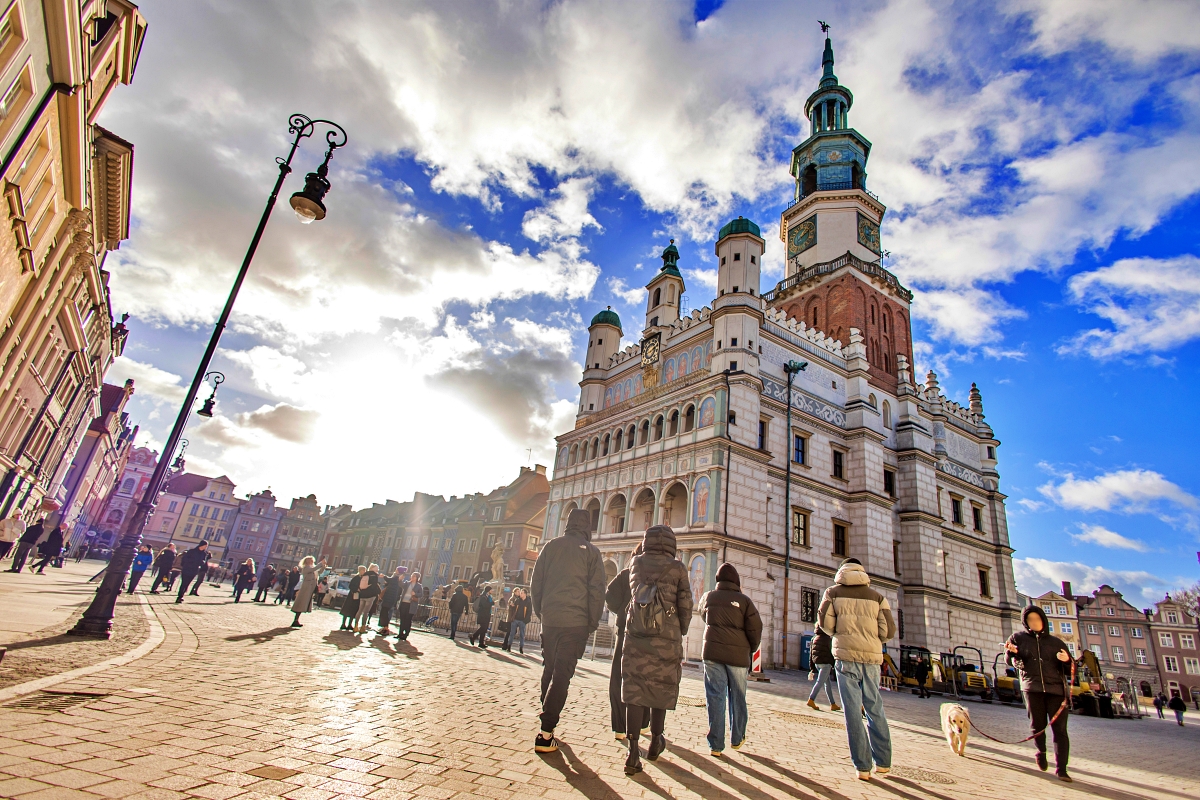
x: 851, y: 561
x: 579, y: 521
x: 728, y: 574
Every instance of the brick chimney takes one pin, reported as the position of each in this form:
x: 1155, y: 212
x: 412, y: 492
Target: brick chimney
x: 1066, y: 586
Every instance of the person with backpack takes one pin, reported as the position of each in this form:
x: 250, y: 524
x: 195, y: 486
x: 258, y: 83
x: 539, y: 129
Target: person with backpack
x: 1177, y: 705
x: 860, y: 620
x: 483, y: 613
x: 821, y: 657
x: 568, y: 597
x: 1043, y: 660
x: 617, y: 599
x: 162, y: 568
x: 459, y: 604
x: 732, y: 632
x: 660, y: 613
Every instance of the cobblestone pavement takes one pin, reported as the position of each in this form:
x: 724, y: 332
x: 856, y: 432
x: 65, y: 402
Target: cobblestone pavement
x: 234, y: 704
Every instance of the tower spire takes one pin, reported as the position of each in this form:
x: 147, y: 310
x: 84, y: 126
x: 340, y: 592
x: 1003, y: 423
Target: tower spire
x: 827, y: 76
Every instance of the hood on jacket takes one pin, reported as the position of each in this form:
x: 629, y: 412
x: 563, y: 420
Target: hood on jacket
x: 852, y: 574
x: 728, y: 574
x: 659, y: 539
x: 1035, y: 610
x: 579, y: 522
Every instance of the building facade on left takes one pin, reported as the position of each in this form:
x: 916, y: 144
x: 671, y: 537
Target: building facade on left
x: 66, y: 184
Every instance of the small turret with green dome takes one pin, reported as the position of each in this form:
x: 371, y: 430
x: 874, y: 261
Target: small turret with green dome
x: 670, y: 258
x: 606, y: 317
x: 665, y: 290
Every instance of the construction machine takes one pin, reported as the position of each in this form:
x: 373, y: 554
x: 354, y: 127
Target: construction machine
x: 1008, y: 685
x: 967, y: 678
x: 906, y: 670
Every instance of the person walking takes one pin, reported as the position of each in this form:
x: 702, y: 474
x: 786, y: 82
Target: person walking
x: 1160, y: 702
x: 1177, y: 705
x: 308, y: 571
x: 281, y: 584
x: 568, y: 588
x: 141, y: 562
x: 458, y: 606
x: 162, y: 568
x: 265, y: 582
x: 189, y: 567
x: 1041, y: 661
x: 322, y: 591
x: 732, y: 632
x: 25, y: 543
x: 921, y: 673
x: 243, y: 579
x: 176, y: 570
x: 49, y: 549
x: 201, y: 574
x: 410, y: 603
x: 520, y: 611
x: 617, y: 598
x: 821, y: 657
x: 351, y: 601
x: 388, y: 599
x: 11, y: 530
x: 652, y: 661
x: 860, y: 620
x: 483, y: 615
x: 293, y: 582
x: 368, y: 590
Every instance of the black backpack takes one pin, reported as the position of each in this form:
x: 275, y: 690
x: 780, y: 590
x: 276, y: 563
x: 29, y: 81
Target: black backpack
x: 647, y: 614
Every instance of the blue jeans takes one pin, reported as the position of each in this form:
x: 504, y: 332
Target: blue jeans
x: 859, y: 685
x: 823, y: 673
x: 721, y: 681
x: 513, y: 628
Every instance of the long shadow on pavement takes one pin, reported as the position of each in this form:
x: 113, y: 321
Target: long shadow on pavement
x: 809, y: 783
x: 771, y: 781
x: 716, y: 770
x: 697, y: 784
x: 343, y: 640
x: 580, y: 776
x: 506, y: 660
x: 261, y: 637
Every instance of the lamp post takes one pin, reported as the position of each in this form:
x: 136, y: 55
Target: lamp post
x: 207, y: 409
x: 791, y: 368
x: 308, y: 205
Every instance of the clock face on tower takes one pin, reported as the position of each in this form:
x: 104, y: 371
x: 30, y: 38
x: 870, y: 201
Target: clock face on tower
x: 868, y: 233
x: 802, y: 236
x: 650, y: 349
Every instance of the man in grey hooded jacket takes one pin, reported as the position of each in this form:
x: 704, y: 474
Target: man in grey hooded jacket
x: 860, y: 620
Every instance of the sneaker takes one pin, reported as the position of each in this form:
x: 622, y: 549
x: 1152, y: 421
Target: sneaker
x: 864, y: 776
x: 813, y: 705
x: 716, y: 753
x: 545, y: 744
x: 738, y: 746
x: 883, y: 772
x: 1065, y: 778
x: 1042, y: 763
x: 835, y: 707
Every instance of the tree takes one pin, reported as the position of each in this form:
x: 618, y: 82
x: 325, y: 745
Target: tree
x: 1189, y: 598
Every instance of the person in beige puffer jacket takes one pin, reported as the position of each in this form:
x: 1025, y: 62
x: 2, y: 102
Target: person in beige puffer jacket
x: 860, y: 621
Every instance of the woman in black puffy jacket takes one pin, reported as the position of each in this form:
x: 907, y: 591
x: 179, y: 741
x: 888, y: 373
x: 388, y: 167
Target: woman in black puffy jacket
x: 1043, y: 663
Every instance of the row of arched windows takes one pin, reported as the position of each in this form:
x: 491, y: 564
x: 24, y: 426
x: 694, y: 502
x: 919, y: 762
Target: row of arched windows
x: 651, y: 429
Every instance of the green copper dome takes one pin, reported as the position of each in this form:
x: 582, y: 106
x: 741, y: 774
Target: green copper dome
x: 607, y: 317
x: 670, y: 258
x: 739, y: 225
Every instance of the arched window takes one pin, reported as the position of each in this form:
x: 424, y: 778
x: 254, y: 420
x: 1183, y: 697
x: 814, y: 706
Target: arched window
x: 689, y: 418
x: 604, y: 447
x: 872, y: 315
x: 629, y: 437
x: 658, y: 428
x: 871, y: 399
x: 674, y: 426
x: 127, y: 486
x: 816, y: 319
x: 596, y: 447
x: 808, y: 180
x: 574, y: 455
x: 645, y: 432
x: 885, y: 318
x: 657, y: 297
x: 887, y: 414
x: 671, y: 294
x: 887, y: 363
x: 617, y: 441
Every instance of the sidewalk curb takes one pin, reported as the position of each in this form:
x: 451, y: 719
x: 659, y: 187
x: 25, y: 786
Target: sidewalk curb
x: 157, y: 636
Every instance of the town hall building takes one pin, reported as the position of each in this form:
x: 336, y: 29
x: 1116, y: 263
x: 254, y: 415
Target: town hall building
x: 688, y: 427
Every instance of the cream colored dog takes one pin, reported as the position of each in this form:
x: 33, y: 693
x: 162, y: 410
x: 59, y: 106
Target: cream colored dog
x: 956, y: 724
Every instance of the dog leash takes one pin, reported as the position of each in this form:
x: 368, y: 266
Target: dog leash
x: 1063, y: 707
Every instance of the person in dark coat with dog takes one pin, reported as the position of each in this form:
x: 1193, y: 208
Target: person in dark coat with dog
x: 652, y: 661
x: 568, y: 597
x: 1041, y: 660
x: 732, y: 632
x: 617, y: 598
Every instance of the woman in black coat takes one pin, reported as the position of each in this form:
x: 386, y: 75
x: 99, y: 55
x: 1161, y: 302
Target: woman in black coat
x: 617, y: 600
x: 483, y: 613
x: 652, y: 663
x: 49, y: 550
x: 351, y: 601
x: 243, y: 579
x: 369, y: 589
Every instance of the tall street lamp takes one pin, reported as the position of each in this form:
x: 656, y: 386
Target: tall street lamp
x: 791, y: 368
x: 308, y: 205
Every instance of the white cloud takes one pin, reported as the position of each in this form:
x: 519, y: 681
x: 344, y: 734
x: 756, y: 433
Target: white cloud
x: 1153, y: 305
x: 1145, y: 28
x: 630, y: 295
x: 1098, y: 534
x: 1130, y: 490
x: 149, y: 381
x: 1032, y: 505
x: 1036, y: 576
x: 565, y: 217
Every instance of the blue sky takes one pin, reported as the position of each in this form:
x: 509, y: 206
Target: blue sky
x: 516, y: 168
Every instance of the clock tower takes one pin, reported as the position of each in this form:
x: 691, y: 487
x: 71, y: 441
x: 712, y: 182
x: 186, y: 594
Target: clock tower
x: 665, y: 291
x: 835, y: 280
